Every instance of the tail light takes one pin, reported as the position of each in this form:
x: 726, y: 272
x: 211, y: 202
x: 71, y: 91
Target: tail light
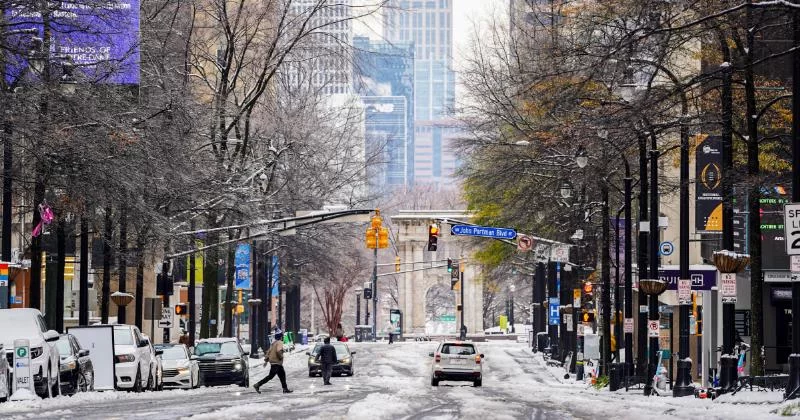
x: 438, y: 358
x: 478, y: 360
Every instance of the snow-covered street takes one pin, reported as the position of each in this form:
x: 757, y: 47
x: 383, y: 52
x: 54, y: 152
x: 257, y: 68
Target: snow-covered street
x: 393, y: 381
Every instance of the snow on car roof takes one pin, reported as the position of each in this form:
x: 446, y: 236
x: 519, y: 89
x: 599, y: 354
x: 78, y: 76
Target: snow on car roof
x: 217, y: 340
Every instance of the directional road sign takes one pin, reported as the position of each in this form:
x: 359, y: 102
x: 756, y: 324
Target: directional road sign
x: 483, y: 231
x: 791, y: 226
x: 166, y: 317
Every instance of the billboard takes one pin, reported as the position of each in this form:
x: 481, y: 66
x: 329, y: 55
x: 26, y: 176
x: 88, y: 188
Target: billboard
x: 708, y: 173
x: 100, y: 36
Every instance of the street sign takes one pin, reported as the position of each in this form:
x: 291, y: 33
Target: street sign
x: 559, y: 253
x: 22, y: 365
x: 666, y: 248
x: 524, y: 243
x: 652, y: 328
x: 576, y: 298
x: 795, y: 264
x: 483, y: 231
x: 554, y: 317
x: 791, y: 227
x: 568, y: 321
x: 728, y: 289
x: 166, y: 317
x: 628, y: 326
x: 684, y: 291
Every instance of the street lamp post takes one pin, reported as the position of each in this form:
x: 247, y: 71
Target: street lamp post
x: 359, y: 291
x: 511, y: 288
x: 729, y: 263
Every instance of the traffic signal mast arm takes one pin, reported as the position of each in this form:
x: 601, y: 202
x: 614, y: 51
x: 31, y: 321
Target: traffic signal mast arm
x: 414, y: 269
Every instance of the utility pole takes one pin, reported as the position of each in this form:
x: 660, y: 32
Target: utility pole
x: 8, y: 173
x: 654, y: 263
x: 463, y: 329
x: 794, y: 358
x: 642, y: 245
x: 83, y: 288
x: 191, y: 291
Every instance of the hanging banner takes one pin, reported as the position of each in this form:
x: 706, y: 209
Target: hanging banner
x: 241, y: 262
x: 100, y: 38
x: 276, y: 271
x: 708, y: 172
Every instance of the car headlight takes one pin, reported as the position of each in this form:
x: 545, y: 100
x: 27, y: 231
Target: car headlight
x: 36, y: 352
x: 237, y: 366
x: 125, y: 358
x: 68, y: 366
x: 345, y: 361
x: 313, y: 360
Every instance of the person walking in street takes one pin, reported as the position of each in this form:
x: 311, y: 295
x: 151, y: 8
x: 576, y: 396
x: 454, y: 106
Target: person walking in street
x: 275, y: 358
x: 327, y: 357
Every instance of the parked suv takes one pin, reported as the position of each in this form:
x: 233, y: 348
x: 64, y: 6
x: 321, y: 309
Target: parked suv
x: 5, y: 383
x: 222, y: 361
x: 156, y: 366
x: 28, y: 323
x: 132, y: 359
x: 457, y: 361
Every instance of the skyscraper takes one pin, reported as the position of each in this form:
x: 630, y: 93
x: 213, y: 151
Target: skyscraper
x: 384, y: 76
x: 429, y: 26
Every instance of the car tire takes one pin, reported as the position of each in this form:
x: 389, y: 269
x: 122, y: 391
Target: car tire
x: 151, y: 383
x: 82, y: 384
x: 311, y: 374
x: 434, y: 382
x: 477, y: 383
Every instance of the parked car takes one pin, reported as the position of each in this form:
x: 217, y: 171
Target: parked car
x: 156, y: 367
x: 344, y: 365
x: 132, y: 359
x: 5, y: 383
x: 29, y: 324
x: 181, y: 370
x: 77, y: 371
x: 457, y: 361
x: 222, y: 361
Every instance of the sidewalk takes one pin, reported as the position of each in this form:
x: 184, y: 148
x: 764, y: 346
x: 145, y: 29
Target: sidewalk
x: 745, y: 404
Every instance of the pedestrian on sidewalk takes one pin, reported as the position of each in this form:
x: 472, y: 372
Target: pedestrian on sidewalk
x: 274, y: 357
x: 390, y: 331
x: 327, y: 357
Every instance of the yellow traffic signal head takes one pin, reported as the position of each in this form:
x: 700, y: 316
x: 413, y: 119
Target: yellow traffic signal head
x: 383, y: 238
x: 375, y: 222
x: 587, y: 287
x: 371, y: 238
x: 181, y: 309
x: 396, y: 264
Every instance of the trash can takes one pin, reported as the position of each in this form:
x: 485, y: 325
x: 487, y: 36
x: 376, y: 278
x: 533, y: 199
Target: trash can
x: 303, y: 336
x: 542, y: 340
x: 615, y: 376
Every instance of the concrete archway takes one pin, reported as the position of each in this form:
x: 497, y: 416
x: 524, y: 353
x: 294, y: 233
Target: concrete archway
x: 413, y: 287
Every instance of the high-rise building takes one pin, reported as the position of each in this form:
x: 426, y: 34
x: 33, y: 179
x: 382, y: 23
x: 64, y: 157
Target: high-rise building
x: 323, y: 57
x: 429, y: 26
x: 386, y: 70
x: 385, y: 135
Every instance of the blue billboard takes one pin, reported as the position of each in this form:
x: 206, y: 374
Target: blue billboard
x: 101, y: 37
x: 241, y: 261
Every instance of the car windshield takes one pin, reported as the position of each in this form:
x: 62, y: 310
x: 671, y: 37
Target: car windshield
x: 341, y: 350
x: 174, y: 353
x: 63, y: 346
x: 459, y: 349
x: 18, y: 324
x: 123, y: 336
x: 229, y: 348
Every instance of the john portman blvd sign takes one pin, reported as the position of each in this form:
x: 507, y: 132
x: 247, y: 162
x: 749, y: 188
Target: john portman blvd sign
x: 483, y: 231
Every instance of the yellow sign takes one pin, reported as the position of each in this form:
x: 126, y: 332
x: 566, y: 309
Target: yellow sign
x: 503, y: 322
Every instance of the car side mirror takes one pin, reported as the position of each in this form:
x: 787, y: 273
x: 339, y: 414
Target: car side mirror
x: 482, y: 356
x: 352, y: 353
x: 51, y: 335
x: 308, y: 353
x: 159, y: 352
x: 193, y: 357
x: 83, y: 353
x: 246, y: 353
x: 430, y: 354
x: 144, y: 343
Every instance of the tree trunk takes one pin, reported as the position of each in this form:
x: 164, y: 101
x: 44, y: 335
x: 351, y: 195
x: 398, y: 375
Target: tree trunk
x: 210, y: 310
x: 105, y: 294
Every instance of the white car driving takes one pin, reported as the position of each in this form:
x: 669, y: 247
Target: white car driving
x: 457, y: 361
x: 132, y: 359
x: 28, y: 323
x: 180, y: 369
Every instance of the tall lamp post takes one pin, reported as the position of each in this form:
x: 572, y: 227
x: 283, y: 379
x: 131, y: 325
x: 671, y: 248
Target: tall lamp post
x: 377, y: 237
x: 728, y: 263
x: 359, y: 291
x: 652, y: 288
x: 511, y: 288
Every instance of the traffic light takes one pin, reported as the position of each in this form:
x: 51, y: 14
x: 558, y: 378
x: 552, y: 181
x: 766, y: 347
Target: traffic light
x: 587, y: 317
x: 587, y: 303
x: 367, y: 293
x: 383, y: 237
x: 453, y: 278
x: 181, y: 309
x: 433, y: 236
x: 449, y: 265
x: 396, y: 264
x: 372, y: 238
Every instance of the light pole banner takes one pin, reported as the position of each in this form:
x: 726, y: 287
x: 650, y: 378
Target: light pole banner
x: 241, y: 261
x: 708, y: 209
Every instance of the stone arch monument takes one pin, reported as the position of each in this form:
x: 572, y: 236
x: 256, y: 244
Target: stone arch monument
x: 413, y: 286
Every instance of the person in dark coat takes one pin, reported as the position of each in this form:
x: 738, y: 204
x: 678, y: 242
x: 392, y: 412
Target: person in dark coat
x: 327, y: 357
